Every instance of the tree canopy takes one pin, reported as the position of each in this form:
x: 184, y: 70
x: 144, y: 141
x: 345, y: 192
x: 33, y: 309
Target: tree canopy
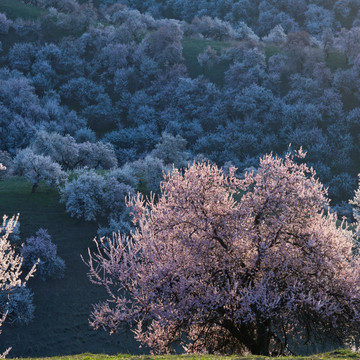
x: 226, y: 264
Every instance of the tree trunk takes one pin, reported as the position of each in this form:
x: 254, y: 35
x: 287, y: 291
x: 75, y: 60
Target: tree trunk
x: 263, y: 339
x: 34, y: 187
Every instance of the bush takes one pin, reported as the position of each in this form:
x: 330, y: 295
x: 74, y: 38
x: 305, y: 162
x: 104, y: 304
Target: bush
x: 18, y: 304
x: 41, y: 247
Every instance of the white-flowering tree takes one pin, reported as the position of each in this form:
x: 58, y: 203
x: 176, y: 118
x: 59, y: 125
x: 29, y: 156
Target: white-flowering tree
x: 37, y: 168
x: 5, y: 24
x: 220, y: 264
x: 91, y: 195
x: 355, y: 201
x: 10, y: 264
x: 276, y: 36
x: 69, y: 154
x: 172, y: 150
x: 61, y: 149
x: 97, y: 155
x: 83, y: 195
x: 148, y: 171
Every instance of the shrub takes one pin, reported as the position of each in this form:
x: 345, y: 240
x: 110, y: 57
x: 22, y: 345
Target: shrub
x: 41, y: 247
x: 18, y: 304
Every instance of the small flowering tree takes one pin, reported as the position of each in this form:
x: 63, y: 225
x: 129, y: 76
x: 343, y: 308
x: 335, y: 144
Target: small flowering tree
x: 10, y: 265
x: 222, y: 264
x: 356, y: 203
x: 41, y: 250
x: 37, y: 168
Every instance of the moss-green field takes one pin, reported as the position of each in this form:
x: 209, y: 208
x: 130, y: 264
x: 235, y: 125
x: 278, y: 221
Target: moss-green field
x: 17, y: 9
x: 338, y: 354
x: 191, y: 50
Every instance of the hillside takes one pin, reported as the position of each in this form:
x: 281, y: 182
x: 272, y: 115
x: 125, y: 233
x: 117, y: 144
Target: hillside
x: 134, y: 90
x: 62, y: 306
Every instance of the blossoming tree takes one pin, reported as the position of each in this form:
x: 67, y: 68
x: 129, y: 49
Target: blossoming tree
x: 222, y: 264
x: 10, y: 262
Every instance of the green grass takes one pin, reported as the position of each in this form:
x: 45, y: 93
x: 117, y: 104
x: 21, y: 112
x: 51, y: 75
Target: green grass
x: 17, y: 9
x: 193, y: 47
x: 338, y: 354
x: 336, y: 60
x: 271, y: 50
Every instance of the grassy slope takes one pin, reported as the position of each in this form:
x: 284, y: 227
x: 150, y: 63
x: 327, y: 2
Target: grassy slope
x: 193, y: 47
x: 339, y: 354
x: 15, y: 8
x: 63, y: 306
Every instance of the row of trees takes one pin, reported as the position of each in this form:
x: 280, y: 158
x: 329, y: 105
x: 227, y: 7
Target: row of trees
x: 91, y: 184
x: 261, y: 15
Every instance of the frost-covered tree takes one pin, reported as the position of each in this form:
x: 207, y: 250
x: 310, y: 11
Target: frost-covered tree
x: 91, y: 195
x: 41, y: 250
x: 83, y: 195
x: 222, y: 264
x: 5, y: 24
x: 276, y: 36
x: 37, y: 168
x: 172, y: 150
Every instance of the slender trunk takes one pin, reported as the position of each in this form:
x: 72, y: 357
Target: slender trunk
x: 34, y: 187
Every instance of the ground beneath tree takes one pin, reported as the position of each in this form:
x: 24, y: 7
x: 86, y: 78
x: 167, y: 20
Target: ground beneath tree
x: 60, y: 326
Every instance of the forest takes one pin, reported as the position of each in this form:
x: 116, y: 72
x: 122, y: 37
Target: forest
x: 101, y: 100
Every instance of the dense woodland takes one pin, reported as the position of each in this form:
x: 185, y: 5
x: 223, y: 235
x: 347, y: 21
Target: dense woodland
x: 234, y: 79
x: 100, y: 98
